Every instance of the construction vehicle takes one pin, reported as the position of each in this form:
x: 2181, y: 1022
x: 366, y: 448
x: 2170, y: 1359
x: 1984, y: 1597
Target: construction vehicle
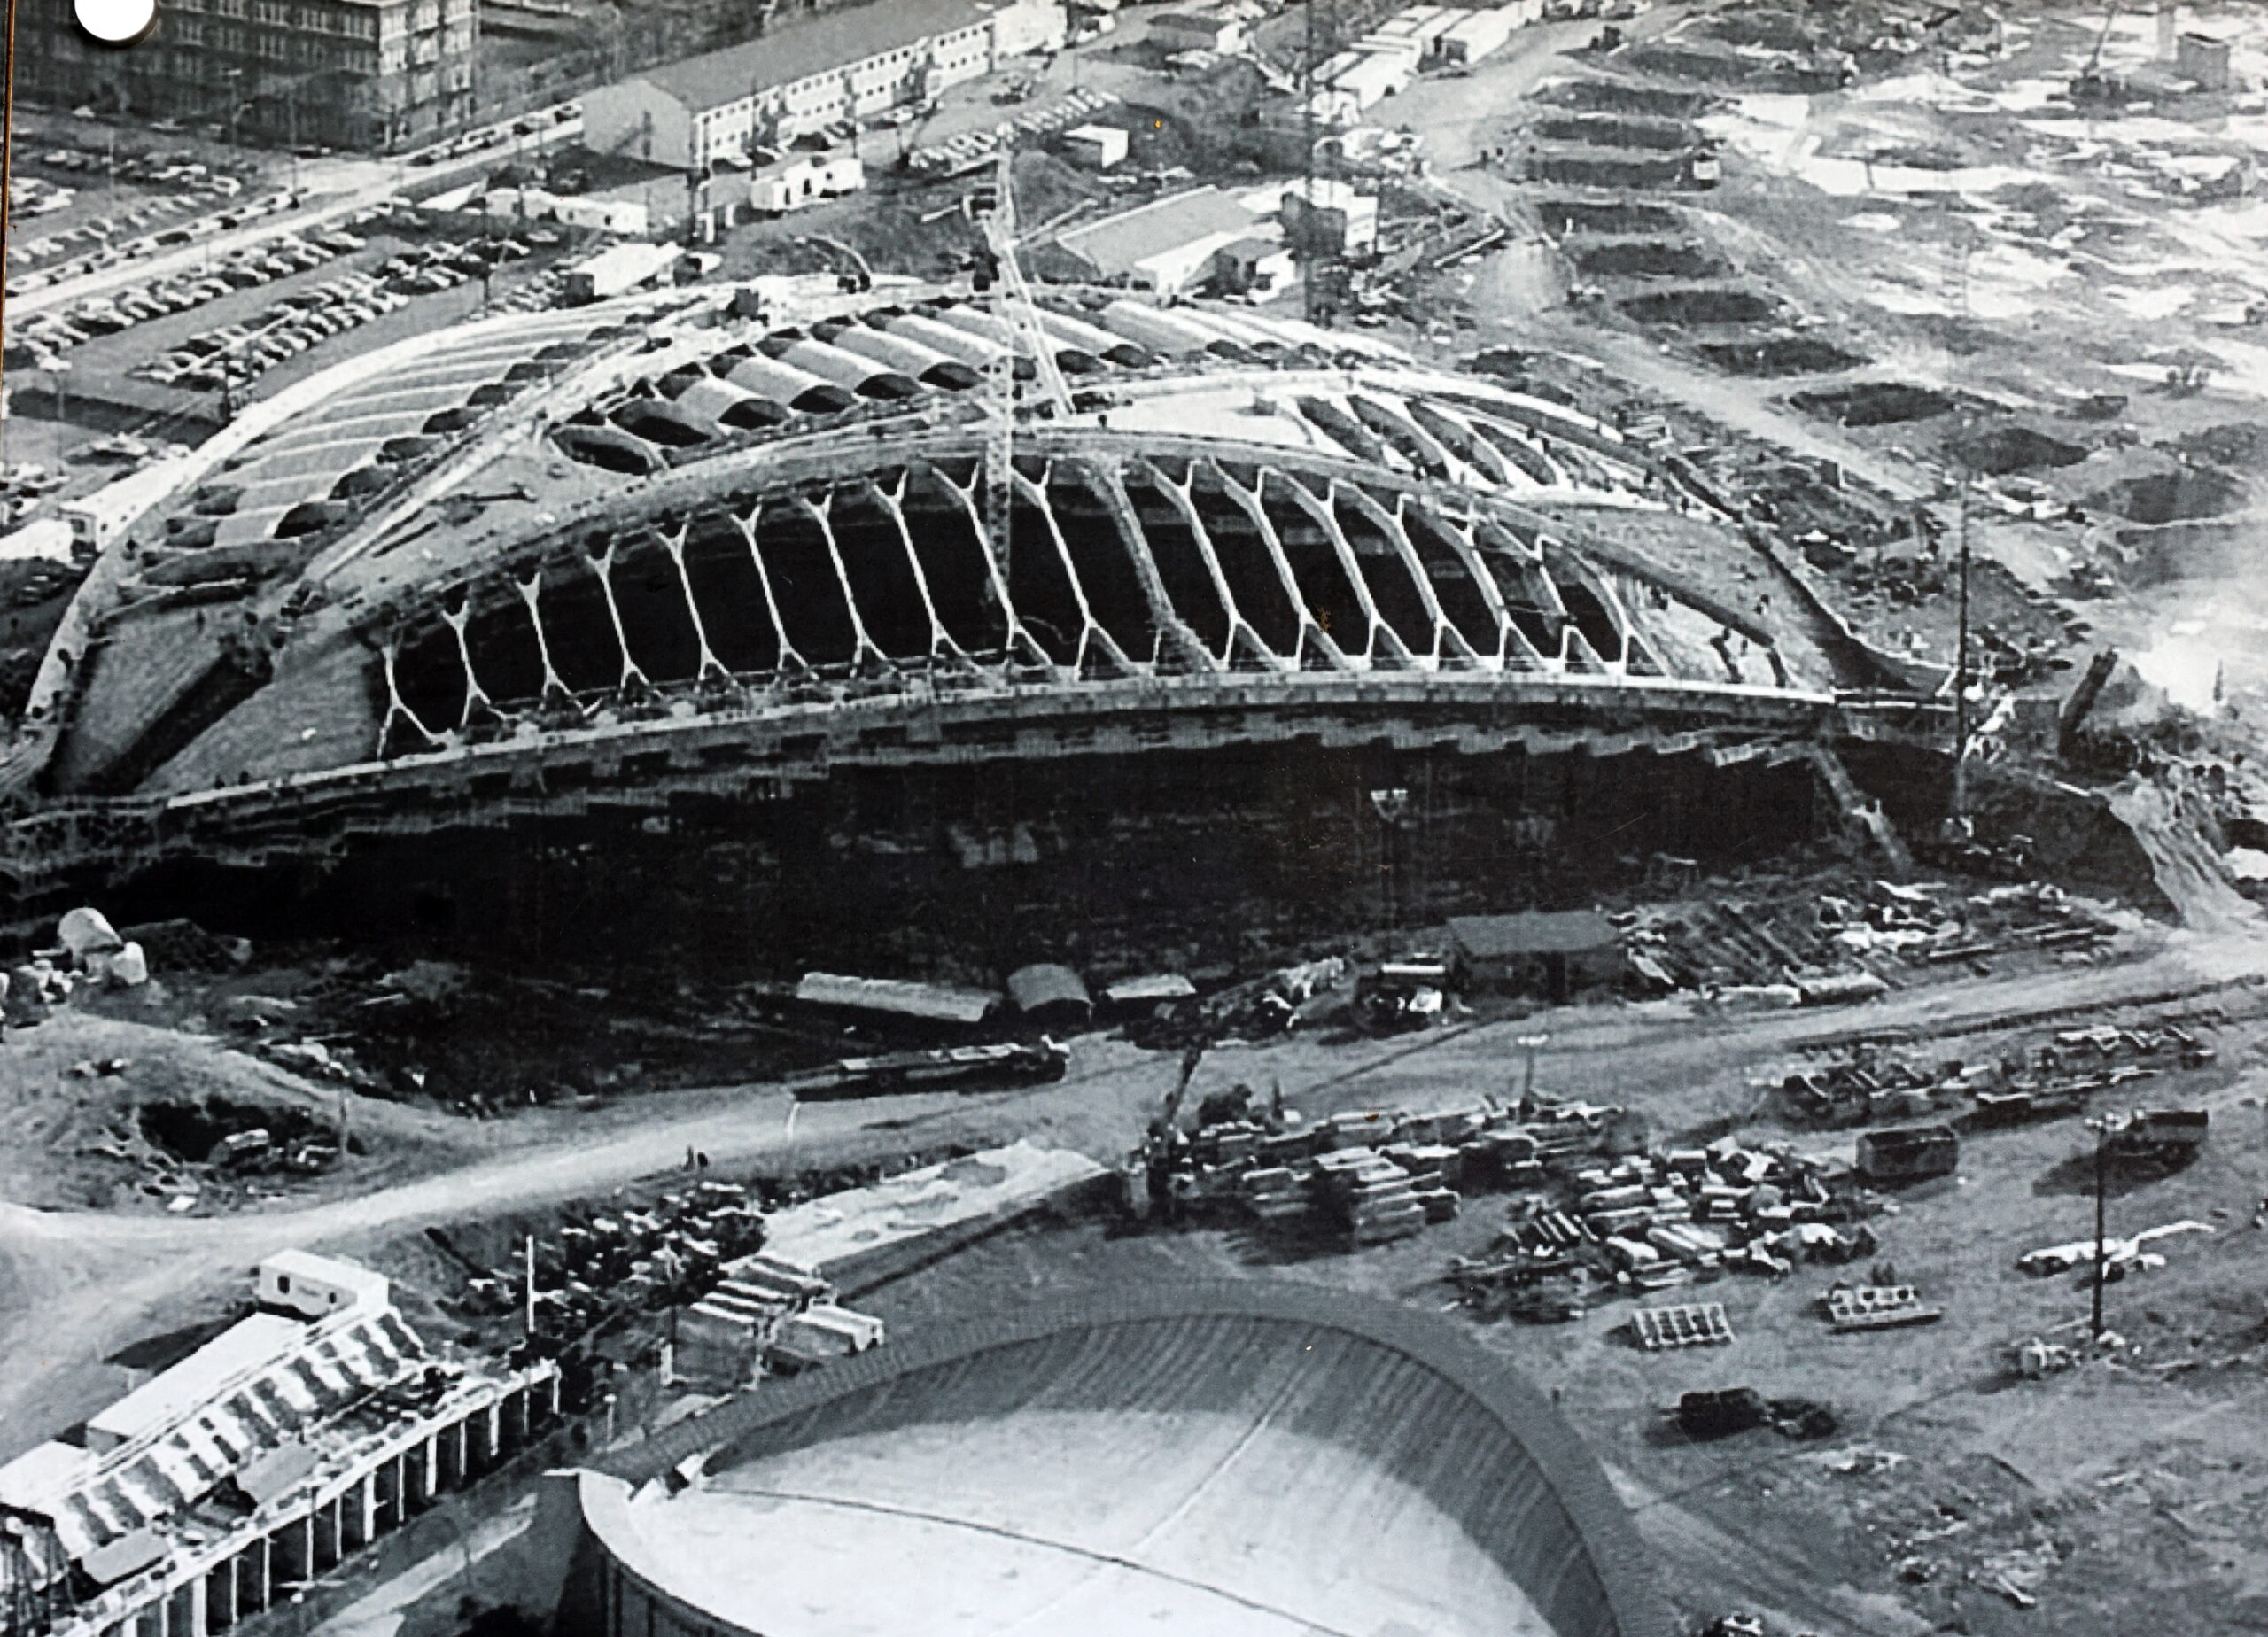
x: 2091, y: 84
x: 2082, y: 701
x: 857, y: 276
x: 1150, y: 1175
x: 2160, y: 1138
x: 1908, y: 1153
x: 955, y: 1068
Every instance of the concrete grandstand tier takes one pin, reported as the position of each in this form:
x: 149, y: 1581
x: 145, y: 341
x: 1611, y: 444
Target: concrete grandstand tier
x: 554, y: 561
x: 1248, y: 1459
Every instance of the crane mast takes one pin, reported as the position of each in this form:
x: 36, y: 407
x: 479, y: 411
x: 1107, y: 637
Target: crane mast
x: 1013, y: 304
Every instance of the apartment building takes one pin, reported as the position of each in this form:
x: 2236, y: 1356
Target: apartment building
x: 367, y: 74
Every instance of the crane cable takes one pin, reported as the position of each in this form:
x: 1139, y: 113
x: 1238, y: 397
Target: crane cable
x: 7, y: 173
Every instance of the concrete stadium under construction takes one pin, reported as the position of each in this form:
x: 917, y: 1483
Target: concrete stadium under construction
x: 702, y: 622
x: 1112, y: 1462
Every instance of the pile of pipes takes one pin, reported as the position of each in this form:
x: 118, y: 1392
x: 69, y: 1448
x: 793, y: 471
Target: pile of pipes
x: 1648, y: 1221
x: 767, y: 1314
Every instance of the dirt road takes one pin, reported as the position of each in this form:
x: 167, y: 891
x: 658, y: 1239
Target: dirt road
x: 76, y: 1288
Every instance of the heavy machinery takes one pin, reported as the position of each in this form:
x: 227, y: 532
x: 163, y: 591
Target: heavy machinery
x: 950, y: 1068
x: 1149, y: 1174
x: 2091, y: 84
x: 2155, y: 1138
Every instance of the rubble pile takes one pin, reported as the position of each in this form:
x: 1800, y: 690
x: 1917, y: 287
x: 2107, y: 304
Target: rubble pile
x: 1257, y: 1009
x: 1652, y: 1220
x: 88, y: 953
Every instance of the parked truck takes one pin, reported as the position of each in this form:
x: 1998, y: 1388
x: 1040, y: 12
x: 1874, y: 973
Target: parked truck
x: 1908, y: 1153
x: 2163, y: 1137
x: 618, y: 268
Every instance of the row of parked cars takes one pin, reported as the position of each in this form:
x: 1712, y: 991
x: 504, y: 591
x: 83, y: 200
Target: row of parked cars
x: 495, y: 136
x: 28, y: 196
x: 235, y: 353
x: 245, y: 269
x: 92, y: 235
x: 111, y: 252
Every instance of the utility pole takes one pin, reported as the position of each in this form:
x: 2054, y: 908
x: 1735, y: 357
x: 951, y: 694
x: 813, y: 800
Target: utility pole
x: 1960, y: 662
x: 1961, y: 650
x: 530, y: 1317
x: 2101, y: 1252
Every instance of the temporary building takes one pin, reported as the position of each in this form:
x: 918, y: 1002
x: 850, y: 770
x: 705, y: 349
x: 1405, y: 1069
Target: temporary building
x: 933, y: 1003
x: 1555, y: 953
x: 1048, y: 993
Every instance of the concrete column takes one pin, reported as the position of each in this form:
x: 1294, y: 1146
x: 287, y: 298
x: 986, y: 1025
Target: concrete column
x: 148, y: 1620
x: 361, y: 1515
x: 220, y: 1597
x: 261, y: 1560
x: 294, y: 1563
x: 192, y: 1621
x: 385, y: 1496
x: 323, y: 1547
x: 551, y: 1398
x: 484, y: 1431
x: 426, y: 1460
x: 515, y: 1420
x: 461, y: 1446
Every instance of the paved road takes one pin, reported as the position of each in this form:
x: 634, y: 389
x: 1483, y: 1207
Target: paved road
x: 358, y: 195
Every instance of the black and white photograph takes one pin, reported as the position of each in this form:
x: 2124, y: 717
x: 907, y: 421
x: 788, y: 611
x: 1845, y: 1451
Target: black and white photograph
x: 1093, y: 817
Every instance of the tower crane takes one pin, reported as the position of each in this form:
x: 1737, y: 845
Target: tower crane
x: 994, y: 208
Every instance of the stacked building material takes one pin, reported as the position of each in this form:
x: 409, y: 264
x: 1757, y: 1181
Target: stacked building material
x: 820, y: 1334
x: 1650, y: 1220
x: 1376, y: 1199
x: 1695, y: 1324
x: 1877, y: 1307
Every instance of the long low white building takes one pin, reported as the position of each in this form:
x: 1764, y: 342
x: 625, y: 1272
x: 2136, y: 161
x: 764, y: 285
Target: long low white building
x: 804, y: 76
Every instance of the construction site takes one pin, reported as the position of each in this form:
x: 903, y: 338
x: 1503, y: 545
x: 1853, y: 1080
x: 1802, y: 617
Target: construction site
x: 1332, y: 817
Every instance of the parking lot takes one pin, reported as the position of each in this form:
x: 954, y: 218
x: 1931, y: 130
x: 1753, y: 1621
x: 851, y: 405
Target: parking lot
x: 81, y: 200
x: 191, y: 346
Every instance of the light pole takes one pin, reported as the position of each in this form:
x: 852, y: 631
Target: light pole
x: 1532, y: 1045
